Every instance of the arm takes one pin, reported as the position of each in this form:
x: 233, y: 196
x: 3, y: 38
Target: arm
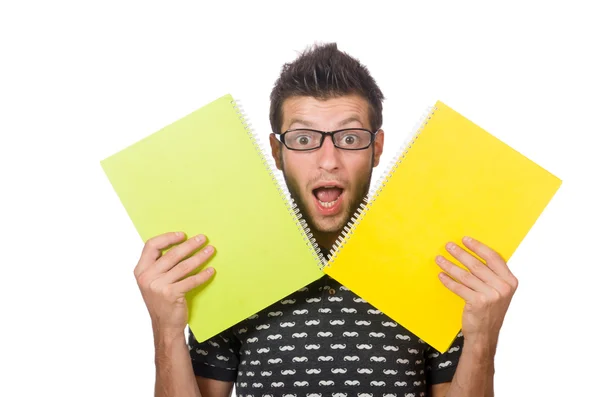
x: 214, y: 388
x: 487, y: 290
x: 163, y: 281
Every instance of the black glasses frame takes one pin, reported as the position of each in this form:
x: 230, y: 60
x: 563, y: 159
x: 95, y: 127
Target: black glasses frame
x: 325, y: 134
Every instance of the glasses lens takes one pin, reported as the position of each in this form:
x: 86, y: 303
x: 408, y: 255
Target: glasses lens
x: 302, y: 139
x: 353, y: 139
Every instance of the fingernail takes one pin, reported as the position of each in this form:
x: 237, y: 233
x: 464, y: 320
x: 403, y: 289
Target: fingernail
x: 439, y: 259
x: 210, y: 270
x: 468, y: 239
x: 208, y: 250
x: 451, y: 246
x: 199, y: 238
x: 178, y: 234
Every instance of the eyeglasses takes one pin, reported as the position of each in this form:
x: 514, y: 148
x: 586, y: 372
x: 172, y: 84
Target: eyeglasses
x: 346, y: 139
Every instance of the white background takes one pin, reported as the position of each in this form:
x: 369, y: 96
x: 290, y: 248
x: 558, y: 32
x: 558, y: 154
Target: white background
x: 80, y: 81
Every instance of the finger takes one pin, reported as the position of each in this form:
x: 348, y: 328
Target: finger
x: 179, y: 253
x: 462, y: 276
x: 476, y: 267
x: 459, y: 289
x: 187, y: 266
x: 493, y: 259
x: 153, y: 249
x: 191, y: 282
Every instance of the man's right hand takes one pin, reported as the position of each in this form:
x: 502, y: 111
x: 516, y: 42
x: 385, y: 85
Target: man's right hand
x: 162, y: 279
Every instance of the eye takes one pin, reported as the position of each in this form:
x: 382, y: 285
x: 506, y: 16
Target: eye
x: 302, y: 140
x: 350, y: 140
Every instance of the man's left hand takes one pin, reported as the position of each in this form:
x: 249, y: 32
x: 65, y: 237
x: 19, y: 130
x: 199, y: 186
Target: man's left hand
x: 486, y: 288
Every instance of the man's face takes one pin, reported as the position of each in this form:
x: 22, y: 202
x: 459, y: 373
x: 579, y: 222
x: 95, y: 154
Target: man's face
x: 328, y: 183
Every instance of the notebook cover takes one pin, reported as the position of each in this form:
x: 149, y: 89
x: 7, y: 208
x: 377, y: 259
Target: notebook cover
x: 454, y: 180
x: 204, y: 174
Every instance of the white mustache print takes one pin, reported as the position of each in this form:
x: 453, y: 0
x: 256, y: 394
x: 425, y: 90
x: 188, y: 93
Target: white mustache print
x: 257, y: 385
x: 399, y: 384
x: 413, y: 351
x: 434, y: 355
x: 253, y: 317
x: 351, y: 358
x: 324, y: 334
x: 298, y: 312
x: 288, y: 301
x: 263, y: 350
x: 389, y: 324
x: 243, y: 384
x: 314, y: 371
x: 376, y: 334
x: 342, y: 288
x: 288, y: 372
x: 299, y: 335
x: 312, y: 347
x: 325, y: 310
x: 373, y: 311
x: 247, y: 352
x: 350, y: 334
x: 255, y: 362
x: 312, y: 322
x: 251, y: 340
x: 275, y: 314
x: 287, y: 348
x: 313, y: 395
x: 459, y: 334
x: 249, y: 373
x: 339, y: 370
x: 222, y: 358
x: 287, y: 395
x: 266, y: 373
x: 337, y: 322
x: 287, y: 324
x: 325, y: 358
x: 277, y: 384
x: 402, y: 361
x: 352, y: 383
x: 377, y: 383
x: 360, y: 322
x: 326, y: 383
x: 203, y: 352
x: 275, y: 361
x: 339, y: 395
x: 213, y: 343
x: 335, y: 299
x: 359, y: 300
x: 390, y: 348
x: 390, y: 395
x: 301, y: 383
x: 378, y: 359
x: 364, y: 371
x: 445, y: 364
x: 299, y: 359
x: 365, y: 394
x: 417, y: 383
x: 418, y: 362
x: 338, y: 346
x: 313, y: 300
x: 274, y: 337
x: 454, y: 349
x: 411, y: 372
x: 402, y: 337
x: 348, y: 310
x: 364, y: 347
x: 390, y: 372
x: 410, y: 395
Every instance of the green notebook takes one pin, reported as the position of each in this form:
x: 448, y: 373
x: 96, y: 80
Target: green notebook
x: 206, y: 173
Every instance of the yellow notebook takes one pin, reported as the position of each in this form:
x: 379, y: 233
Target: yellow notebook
x: 454, y: 179
x: 206, y: 173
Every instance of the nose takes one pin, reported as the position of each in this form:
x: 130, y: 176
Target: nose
x: 328, y: 155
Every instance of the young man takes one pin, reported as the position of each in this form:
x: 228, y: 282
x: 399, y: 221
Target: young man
x: 326, y: 116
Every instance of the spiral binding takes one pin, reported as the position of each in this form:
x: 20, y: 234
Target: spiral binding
x: 378, y: 186
x: 279, y: 181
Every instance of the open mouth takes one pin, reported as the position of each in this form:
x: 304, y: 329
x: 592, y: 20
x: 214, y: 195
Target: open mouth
x: 328, y: 196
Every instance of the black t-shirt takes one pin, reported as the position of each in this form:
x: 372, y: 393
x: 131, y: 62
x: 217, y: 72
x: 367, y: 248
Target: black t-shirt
x: 323, y: 340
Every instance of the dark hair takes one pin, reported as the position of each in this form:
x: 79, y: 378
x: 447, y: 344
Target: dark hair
x: 325, y: 72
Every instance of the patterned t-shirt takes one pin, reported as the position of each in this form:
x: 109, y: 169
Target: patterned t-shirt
x: 323, y: 340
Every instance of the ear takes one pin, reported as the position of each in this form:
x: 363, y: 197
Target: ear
x: 276, y: 151
x: 378, y: 147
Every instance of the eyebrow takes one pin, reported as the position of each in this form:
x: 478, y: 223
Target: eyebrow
x: 307, y: 123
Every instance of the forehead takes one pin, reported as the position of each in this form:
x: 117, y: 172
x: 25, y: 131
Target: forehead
x: 325, y: 112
